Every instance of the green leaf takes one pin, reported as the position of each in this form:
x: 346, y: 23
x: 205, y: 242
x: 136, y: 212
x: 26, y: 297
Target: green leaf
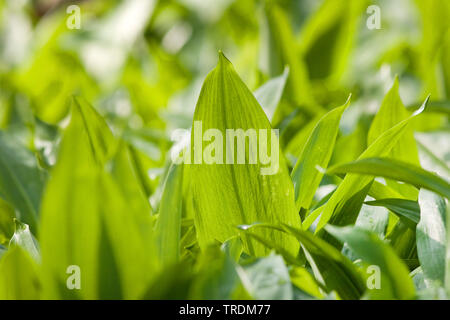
x: 21, y: 180
x: 407, y: 210
x: 108, y: 240
x: 168, y: 227
x: 100, y: 137
x: 302, y: 279
x: 268, y: 279
x: 391, y: 112
x: 330, y: 267
x: 352, y: 184
x: 431, y: 237
x: 125, y: 172
x: 18, y: 276
x: 228, y: 195
x: 70, y: 220
x: 127, y: 256
x: 316, y: 154
x: 395, y: 282
x: 396, y: 170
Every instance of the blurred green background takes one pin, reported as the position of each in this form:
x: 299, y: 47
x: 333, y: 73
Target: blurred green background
x: 141, y: 62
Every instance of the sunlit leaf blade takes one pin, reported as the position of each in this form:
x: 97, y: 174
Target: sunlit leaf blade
x: 315, y: 156
x: 21, y: 181
x: 431, y: 237
x: 396, y: 170
x: 126, y: 249
x: 396, y: 283
x: 391, y: 112
x: 353, y: 184
x: 168, y: 227
x: 69, y: 212
x: 228, y: 195
x: 99, y: 135
x: 18, y: 276
x: 407, y: 210
x: 302, y: 279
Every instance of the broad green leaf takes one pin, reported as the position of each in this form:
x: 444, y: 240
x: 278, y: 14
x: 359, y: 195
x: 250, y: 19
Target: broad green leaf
x: 110, y: 241
x: 353, y: 184
x: 168, y: 227
x: 18, y: 276
x: 396, y: 170
x: 71, y: 222
x: 330, y: 267
x: 391, y: 112
x: 316, y: 154
x: 127, y: 256
x: 407, y: 210
x: 21, y: 180
x: 228, y: 195
x: 269, y: 94
x: 431, y: 237
x: 395, y: 282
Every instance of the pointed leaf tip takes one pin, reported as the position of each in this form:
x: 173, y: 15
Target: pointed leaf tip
x: 422, y: 107
x: 222, y: 58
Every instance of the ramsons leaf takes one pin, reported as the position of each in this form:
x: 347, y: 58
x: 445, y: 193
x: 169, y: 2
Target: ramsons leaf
x: 248, y: 185
x: 395, y: 280
x: 315, y: 156
x: 396, y: 170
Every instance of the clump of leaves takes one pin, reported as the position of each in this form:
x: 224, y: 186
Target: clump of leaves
x: 92, y: 206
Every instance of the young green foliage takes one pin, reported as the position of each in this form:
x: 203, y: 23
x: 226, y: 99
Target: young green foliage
x: 228, y: 195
